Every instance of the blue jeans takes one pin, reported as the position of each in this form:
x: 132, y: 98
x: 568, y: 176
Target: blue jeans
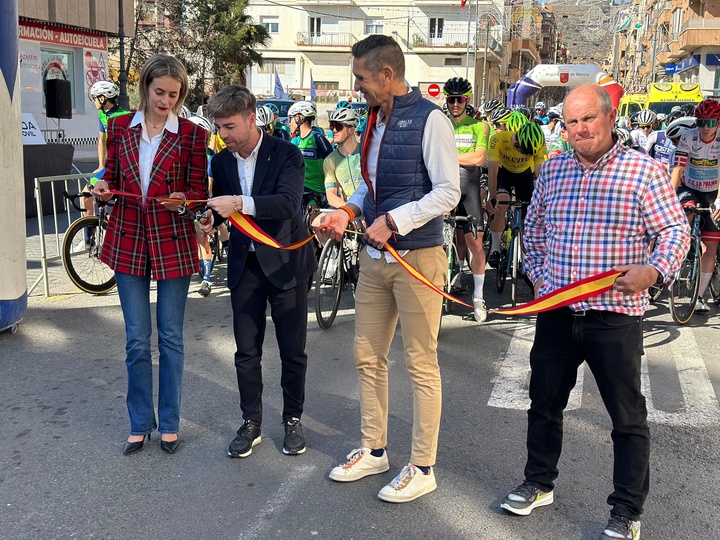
x: 134, y: 292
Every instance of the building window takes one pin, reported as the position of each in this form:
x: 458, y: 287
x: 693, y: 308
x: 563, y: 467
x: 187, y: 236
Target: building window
x: 271, y: 24
x: 279, y: 64
x: 436, y: 27
x: 315, y: 26
x: 59, y: 65
x: 374, y: 26
x: 453, y: 61
x: 327, y: 85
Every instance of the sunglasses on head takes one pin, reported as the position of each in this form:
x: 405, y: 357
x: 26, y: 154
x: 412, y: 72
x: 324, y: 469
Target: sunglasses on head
x: 456, y: 99
x: 706, y: 122
x: 337, y: 126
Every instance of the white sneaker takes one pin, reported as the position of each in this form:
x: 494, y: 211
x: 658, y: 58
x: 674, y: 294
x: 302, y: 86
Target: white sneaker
x: 480, y: 311
x: 79, y: 247
x: 701, y: 306
x: 407, y: 486
x: 360, y: 463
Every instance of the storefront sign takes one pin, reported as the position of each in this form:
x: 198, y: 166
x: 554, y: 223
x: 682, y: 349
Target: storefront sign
x: 62, y: 36
x: 30, y: 131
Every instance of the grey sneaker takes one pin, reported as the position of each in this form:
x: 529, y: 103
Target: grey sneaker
x: 701, y: 306
x: 480, y: 311
x: 621, y: 527
x: 205, y: 288
x: 525, y: 498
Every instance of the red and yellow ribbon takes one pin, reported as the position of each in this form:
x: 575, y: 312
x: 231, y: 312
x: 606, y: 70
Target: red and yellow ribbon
x: 247, y: 226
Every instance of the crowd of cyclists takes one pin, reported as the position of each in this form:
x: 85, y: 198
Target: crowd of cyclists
x: 500, y: 148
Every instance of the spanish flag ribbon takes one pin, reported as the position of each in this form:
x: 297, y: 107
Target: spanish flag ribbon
x: 248, y: 227
x: 161, y: 199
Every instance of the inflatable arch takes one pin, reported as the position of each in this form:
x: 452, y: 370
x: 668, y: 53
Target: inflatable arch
x: 13, y: 286
x: 570, y: 75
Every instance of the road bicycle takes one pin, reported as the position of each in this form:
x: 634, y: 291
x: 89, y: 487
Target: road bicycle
x: 685, y: 288
x: 82, y: 246
x: 454, y: 262
x: 511, y: 252
x: 338, y: 270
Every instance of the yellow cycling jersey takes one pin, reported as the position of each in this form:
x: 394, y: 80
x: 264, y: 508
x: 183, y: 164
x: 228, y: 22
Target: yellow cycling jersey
x: 503, y: 151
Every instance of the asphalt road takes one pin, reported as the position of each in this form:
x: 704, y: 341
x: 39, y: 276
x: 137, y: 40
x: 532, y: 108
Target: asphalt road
x: 62, y: 474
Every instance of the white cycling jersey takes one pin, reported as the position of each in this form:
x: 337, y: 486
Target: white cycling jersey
x: 700, y: 159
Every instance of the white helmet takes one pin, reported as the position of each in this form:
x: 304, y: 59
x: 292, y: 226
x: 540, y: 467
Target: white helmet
x: 305, y: 109
x: 344, y: 115
x: 661, y: 117
x: 540, y: 105
x: 185, y: 112
x: 107, y: 89
x: 645, y: 117
x: 678, y: 127
x: 264, y: 116
x: 203, y: 122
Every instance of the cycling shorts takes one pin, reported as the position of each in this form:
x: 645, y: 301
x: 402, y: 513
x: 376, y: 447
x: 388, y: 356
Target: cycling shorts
x: 470, y: 204
x: 523, y: 182
x: 693, y: 198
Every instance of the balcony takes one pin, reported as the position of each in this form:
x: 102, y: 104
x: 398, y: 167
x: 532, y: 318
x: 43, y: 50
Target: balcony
x: 444, y: 41
x: 326, y: 2
x: 697, y: 32
x: 325, y: 41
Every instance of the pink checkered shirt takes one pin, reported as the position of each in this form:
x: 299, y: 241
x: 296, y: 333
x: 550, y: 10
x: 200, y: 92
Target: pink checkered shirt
x: 583, y: 221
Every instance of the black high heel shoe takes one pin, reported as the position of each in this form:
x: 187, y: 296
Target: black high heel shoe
x: 169, y: 447
x: 132, y: 447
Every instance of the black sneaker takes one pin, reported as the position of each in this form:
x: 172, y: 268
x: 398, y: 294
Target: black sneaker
x: 248, y: 436
x: 494, y: 259
x: 621, y: 527
x: 294, y: 438
x: 526, y: 497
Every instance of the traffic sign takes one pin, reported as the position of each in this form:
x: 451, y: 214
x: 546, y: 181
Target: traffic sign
x: 434, y: 90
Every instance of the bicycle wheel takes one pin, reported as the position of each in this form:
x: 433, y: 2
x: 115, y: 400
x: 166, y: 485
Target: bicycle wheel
x: 328, y: 284
x: 453, y: 274
x: 684, y: 290
x: 715, y: 282
x: 218, y: 254
x: 81, y: 258
x: 515, y: 263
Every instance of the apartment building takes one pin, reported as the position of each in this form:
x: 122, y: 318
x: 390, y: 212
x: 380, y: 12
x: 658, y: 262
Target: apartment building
x: 440, y: 40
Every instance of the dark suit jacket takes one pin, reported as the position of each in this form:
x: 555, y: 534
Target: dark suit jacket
x: 277, y: 193
x: 140, y: 232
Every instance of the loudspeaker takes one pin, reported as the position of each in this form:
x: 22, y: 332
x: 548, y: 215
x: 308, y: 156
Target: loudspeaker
x: 58, y: 101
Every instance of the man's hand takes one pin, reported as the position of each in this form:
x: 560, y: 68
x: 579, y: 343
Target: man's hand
x: 205, y: 223
x: 226, y: 205
x: 491, y: 205
x: 174, y: 202
x: 331, y: 225
x: 101, y: 191
x: 378, y: 233
x: 537, y: 286
x: 635, y: 278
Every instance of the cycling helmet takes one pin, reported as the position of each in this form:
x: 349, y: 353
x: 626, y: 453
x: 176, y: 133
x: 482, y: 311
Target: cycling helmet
x: 501, y: 115
x: 661, y: 117
x: 107, y: 89
x: 264, y: 116
x: 552, y: 114
x: 457, y: 86
x: 530, y: 138
x: 708, y: 109
x: 344, y: 115
x: 303, y: 108
x: 646, y: 117
x: 274, y: 108
x: 623, y: 136
x: 540, y: 105
x: 490, y: 106
x: 361, y: 111
x: 469, y: 110
x: 523, y: 110
x: 677, y: 127
x: 344, y: 104
x: 361, y: 125
x: 516, y: 121
x: 675, y: 109
x: 445, y: 108
x: 202, y: 122
x: 688, y: 109
x: 185, y: 112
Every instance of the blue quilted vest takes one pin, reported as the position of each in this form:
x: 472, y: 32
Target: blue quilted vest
x: 402, y: 176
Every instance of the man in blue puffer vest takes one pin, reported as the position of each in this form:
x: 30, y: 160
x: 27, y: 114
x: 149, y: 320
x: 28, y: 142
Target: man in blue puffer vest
x: 410, y: 171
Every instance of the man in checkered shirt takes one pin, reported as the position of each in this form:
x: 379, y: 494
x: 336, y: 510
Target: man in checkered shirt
x: 597, y: 208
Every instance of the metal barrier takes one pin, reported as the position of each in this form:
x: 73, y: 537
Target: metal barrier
x: 44, y: 258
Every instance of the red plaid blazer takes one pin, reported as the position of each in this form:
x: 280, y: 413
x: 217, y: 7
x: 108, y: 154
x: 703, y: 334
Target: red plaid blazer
x: 141, y: 236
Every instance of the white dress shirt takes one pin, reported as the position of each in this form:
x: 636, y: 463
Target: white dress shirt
x: 149, y: 147
x: 246, y: 173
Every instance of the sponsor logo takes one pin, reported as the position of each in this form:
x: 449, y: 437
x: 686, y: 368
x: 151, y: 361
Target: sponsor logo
x: 402, y: 124
x: 704, y: 162
x: 564, y: 75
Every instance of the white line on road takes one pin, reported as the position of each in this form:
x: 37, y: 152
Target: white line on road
x: 511, y: 387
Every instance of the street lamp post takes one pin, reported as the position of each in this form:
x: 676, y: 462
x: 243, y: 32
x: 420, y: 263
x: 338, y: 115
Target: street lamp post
x: 123, y: 98
x: 487, y: 44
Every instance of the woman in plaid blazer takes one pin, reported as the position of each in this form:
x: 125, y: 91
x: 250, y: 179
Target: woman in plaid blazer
x: 158, y: 163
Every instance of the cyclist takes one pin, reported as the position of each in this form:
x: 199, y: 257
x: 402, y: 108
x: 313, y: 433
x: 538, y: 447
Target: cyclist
x: 695, y: 175
x: 540, y: 115
x: 552, y: 129
x: 659, y: 146
x: 471, y: 139
x: 342, y: 166
x: 560, y: 143
x: 645, y: 120
x: 499, y: 117
x: 313, y: 145
x: 488, y: 107
x: 674, y: 131
x: 265, y: 120
x: 280, y: 130
x: 513, y: 157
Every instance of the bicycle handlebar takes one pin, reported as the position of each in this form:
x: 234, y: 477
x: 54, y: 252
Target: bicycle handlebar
x: 74, y: 198
x: 472, y: 220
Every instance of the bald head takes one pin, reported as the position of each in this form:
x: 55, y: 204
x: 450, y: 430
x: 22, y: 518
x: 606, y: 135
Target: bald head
x: 589, y: 117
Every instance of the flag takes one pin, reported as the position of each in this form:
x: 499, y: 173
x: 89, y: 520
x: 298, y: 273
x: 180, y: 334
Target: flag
x: 279, y: 92
x: 313, y: 93
x: 462, y: 3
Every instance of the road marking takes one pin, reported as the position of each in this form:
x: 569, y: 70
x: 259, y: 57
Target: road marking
x: 280, y: 500
x: 701, y: 403
x: 511, y: 387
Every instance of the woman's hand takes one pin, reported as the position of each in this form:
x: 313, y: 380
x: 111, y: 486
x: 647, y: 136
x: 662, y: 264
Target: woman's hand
x: 175, y: 203
x: 101, y: 191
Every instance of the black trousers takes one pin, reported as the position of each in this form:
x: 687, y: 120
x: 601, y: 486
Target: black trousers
x: 288, y: 309
x: 611, y: 344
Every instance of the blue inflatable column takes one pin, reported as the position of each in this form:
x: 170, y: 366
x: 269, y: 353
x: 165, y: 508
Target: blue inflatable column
x: 13, y: 284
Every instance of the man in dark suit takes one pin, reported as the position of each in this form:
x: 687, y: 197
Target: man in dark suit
x: 262, y: 177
